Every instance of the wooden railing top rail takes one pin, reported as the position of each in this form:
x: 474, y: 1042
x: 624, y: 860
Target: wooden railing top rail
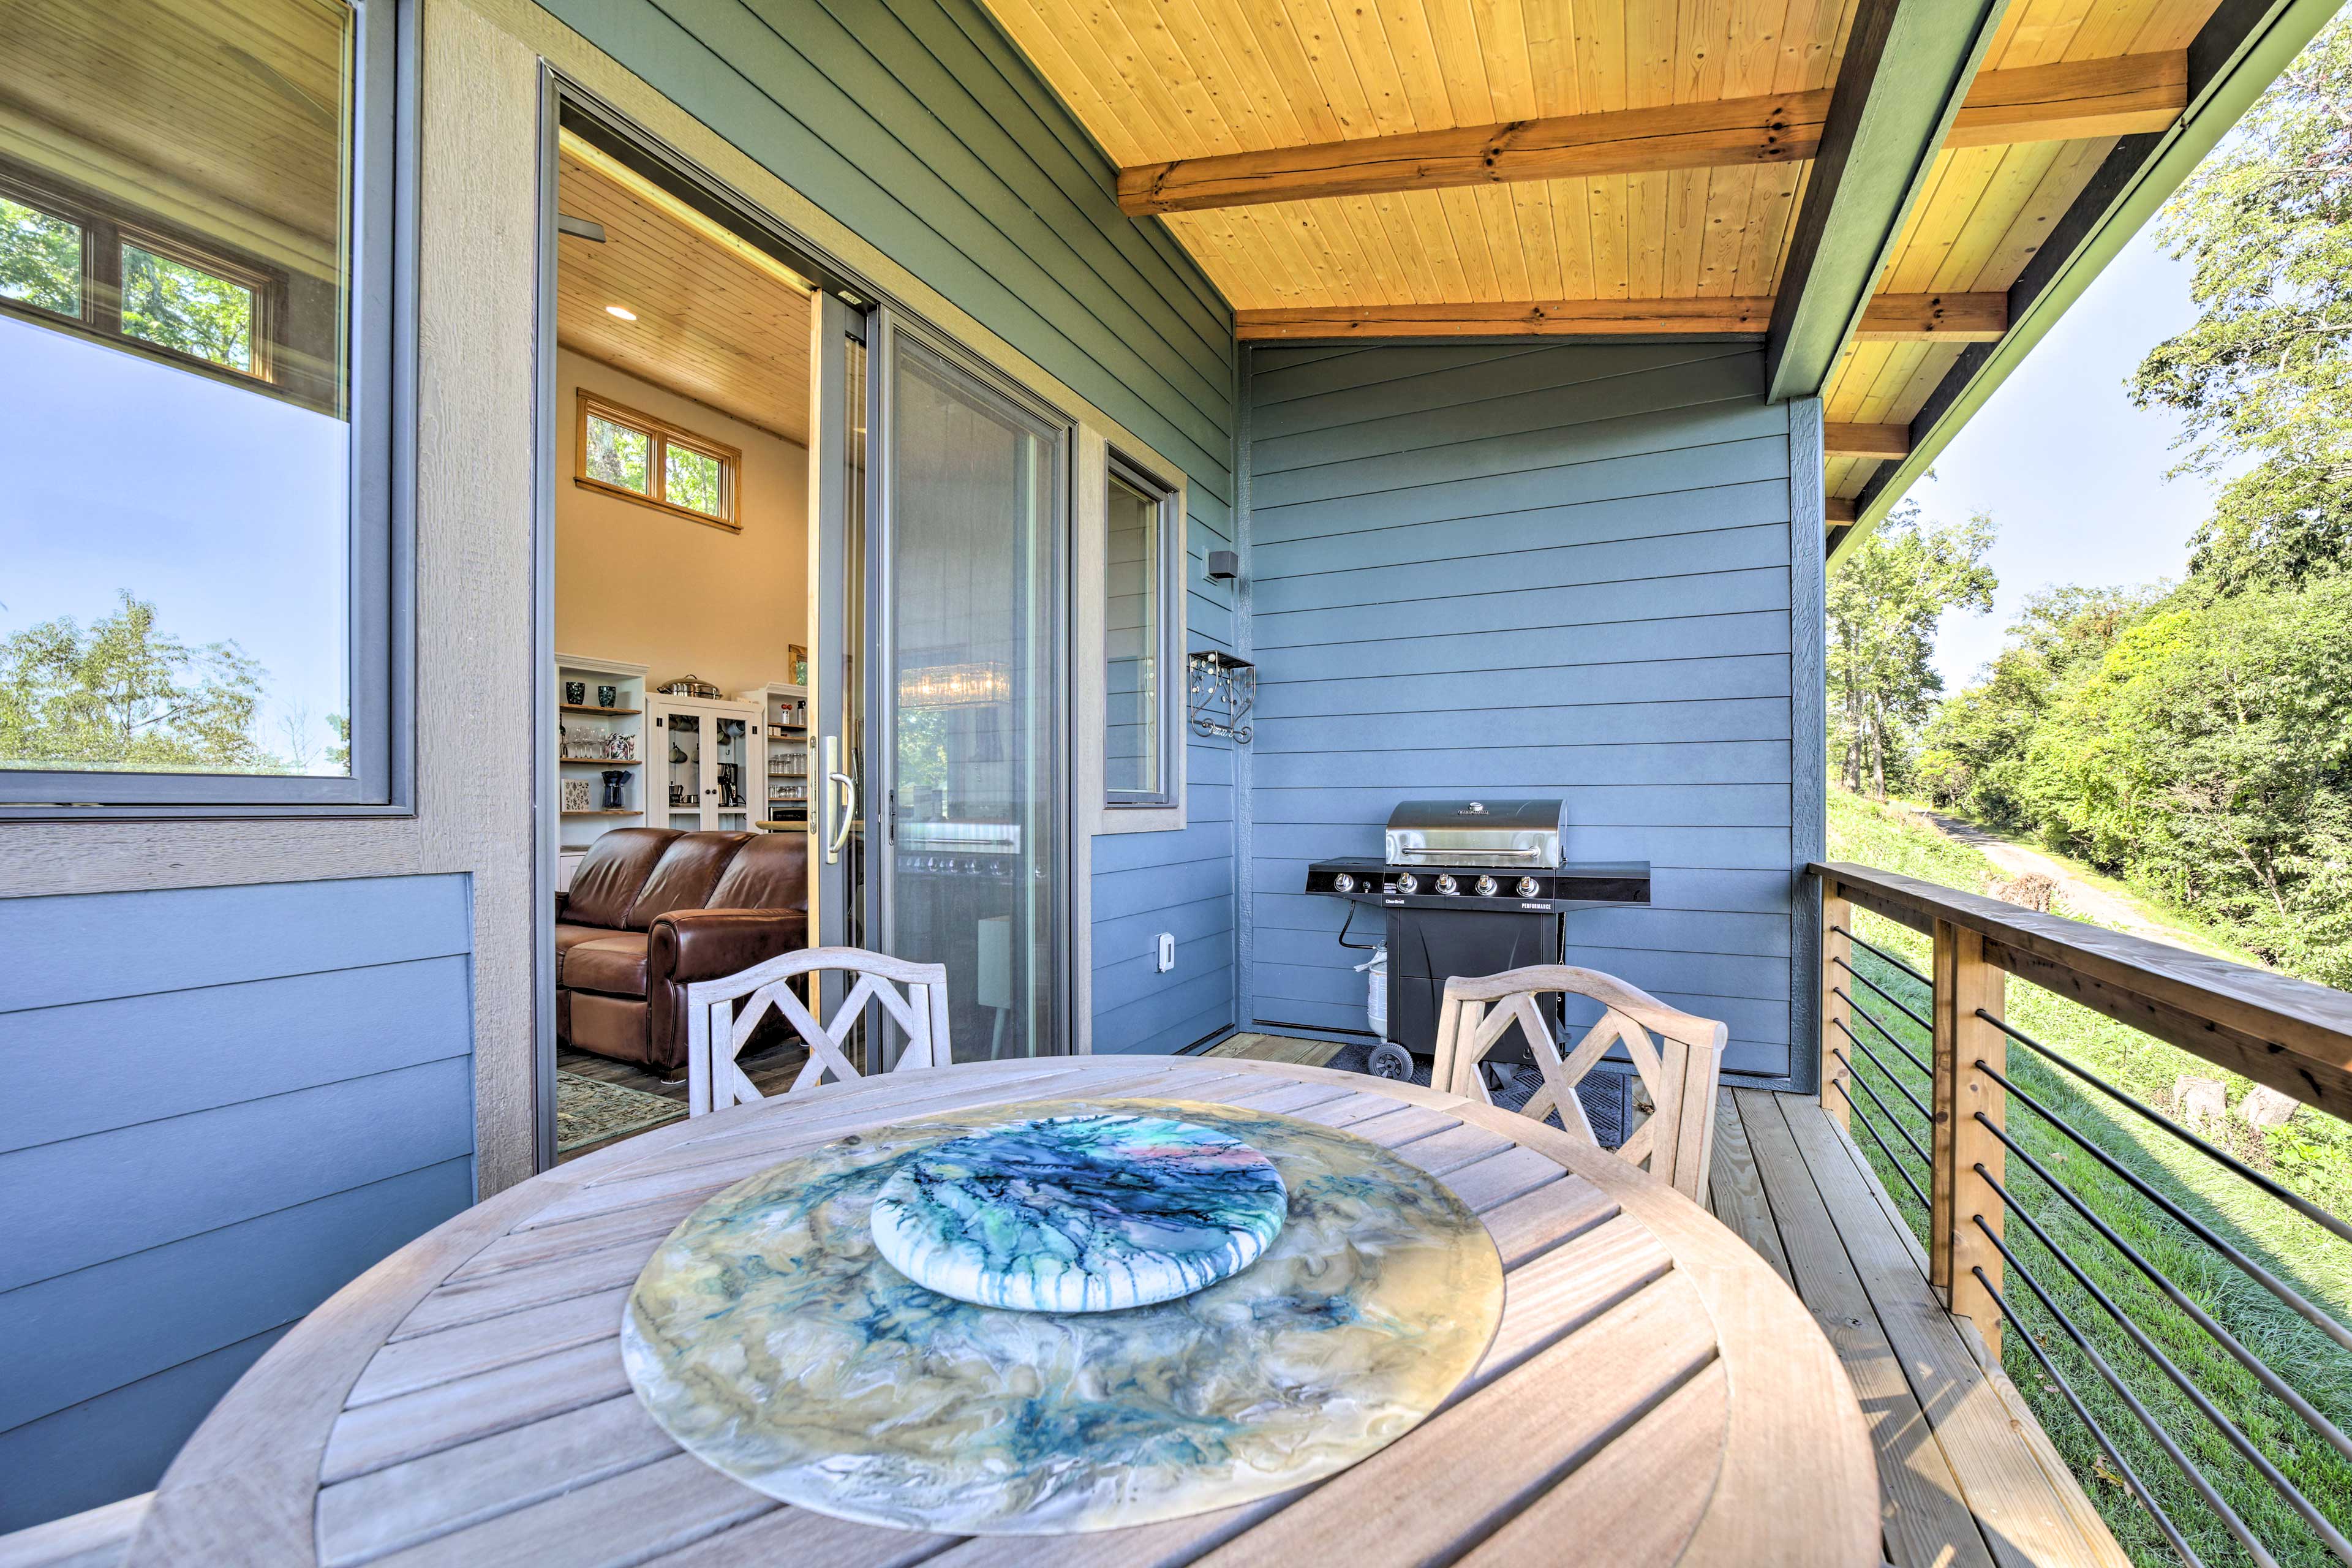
x: 2290, y: 1034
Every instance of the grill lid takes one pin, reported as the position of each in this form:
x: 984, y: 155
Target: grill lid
x: 1508, y: 833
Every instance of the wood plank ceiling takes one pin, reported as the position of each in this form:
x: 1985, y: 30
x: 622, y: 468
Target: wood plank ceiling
x: 715, y: 320
x: 1658, y: 200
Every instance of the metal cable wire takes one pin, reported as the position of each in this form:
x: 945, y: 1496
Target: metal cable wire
x: 2203, y: 1232
x: 2171, y: 1532
x: 1909, y: 1055
x: 1900, y: 1087
x: 1882, y: 990
x: 1899, y: 1129
x: 1864, y: 1014
x: 2295, y: 1201
x: 1882, y: 952
x: 2288, y: 1490
x: 2253, y: 1363
x: 1882, y: 1149
x: 2156, y: 1429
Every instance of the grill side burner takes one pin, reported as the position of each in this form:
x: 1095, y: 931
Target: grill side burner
x: 1469, y: 888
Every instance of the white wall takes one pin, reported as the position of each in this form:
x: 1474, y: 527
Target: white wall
x: 682, y: 597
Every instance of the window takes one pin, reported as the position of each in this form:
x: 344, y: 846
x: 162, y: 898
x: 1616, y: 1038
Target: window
x: 649, y: 460
x: 1142, y: 673
x: 198, y: 303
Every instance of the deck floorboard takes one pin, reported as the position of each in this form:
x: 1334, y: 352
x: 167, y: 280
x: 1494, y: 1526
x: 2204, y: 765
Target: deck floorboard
x: 1966, y: 1475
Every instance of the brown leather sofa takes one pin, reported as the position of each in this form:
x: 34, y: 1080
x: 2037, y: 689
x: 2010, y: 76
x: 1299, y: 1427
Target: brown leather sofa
x: 652, y: 909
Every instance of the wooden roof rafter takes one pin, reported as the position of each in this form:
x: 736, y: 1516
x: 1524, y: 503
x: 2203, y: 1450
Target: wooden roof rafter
x: 1889, y: 318
x: 2067, y: 101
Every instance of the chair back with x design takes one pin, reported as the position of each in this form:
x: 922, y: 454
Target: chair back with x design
x: 1680, y: 1068
x: 722, y: 1014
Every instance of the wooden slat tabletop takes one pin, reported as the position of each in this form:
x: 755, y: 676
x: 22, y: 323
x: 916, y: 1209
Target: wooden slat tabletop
x: 1654, y: 1394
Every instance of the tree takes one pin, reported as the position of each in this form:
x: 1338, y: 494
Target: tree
x: 1885, y: 601
x: 2209, y: 755
x: 2264, y: 376
x: 124, y: 694
x: 1978, y: 741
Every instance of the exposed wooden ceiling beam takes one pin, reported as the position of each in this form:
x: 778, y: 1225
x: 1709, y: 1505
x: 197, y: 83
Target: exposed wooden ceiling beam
x: 2074, y: 100
x: 1930, y: 317
x: 2113, y: 97
x: 1732, y: 317
x: 1891, y: 318
x: 1905, y: 71
x: 1866, y: 440
x: 1772, y: 129
x: 1839, y: 509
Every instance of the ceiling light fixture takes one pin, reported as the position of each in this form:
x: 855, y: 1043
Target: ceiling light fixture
x: 621, y: 311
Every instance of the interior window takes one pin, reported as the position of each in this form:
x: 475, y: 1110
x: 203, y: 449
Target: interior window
x: 177, y: 233
x: 690, y: 479
x: 40, y: 260
x: 651, y: 460
x: 1135, y: 610
x: 185, y: 308
x: 618, y: 455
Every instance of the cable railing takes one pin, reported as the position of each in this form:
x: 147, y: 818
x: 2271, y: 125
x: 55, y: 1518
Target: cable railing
x: 2181, y: 1325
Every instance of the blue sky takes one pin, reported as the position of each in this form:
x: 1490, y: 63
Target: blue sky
x: 2072, y: 474
x: 223, y: 509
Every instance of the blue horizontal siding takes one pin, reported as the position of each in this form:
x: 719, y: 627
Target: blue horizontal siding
x: 225, y: 1104
x: 1546, y: 570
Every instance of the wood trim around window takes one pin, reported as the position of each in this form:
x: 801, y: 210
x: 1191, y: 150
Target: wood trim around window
x: 663, y: 435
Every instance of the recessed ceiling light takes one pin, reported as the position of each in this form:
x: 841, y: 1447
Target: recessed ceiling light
x: 621, y: 311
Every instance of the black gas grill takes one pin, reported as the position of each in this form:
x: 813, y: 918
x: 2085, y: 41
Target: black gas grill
x: 1469, y: 887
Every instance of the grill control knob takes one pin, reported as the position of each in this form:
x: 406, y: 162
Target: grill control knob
x: 1408, y: 883
x: 1446, y: 883
x: 1343, y: 883
x: 1487, y: 887
x: 1529, y: 887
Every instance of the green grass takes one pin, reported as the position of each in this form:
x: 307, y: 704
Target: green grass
x: 2313, y: 1157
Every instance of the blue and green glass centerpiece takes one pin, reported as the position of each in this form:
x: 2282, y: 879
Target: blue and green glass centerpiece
x: 1092, y: 1212
x: 773, y: 1339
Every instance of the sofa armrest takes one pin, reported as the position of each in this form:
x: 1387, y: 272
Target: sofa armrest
x: 688, y: 945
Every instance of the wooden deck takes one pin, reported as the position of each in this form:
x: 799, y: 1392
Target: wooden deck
x: 1967, y: 1477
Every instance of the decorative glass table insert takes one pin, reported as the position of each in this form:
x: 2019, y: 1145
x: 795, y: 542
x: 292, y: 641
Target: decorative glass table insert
x: 772, y: 1337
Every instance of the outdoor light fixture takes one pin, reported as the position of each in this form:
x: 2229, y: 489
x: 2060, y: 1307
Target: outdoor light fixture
x: 621, y: 311
x: 1224, y: 565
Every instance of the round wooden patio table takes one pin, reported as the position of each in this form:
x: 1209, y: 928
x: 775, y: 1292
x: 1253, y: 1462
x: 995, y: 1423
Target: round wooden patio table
x: 1654, y: 1392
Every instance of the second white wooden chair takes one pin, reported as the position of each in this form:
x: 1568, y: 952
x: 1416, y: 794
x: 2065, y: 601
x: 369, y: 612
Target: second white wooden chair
x: 717, y: 1028
x: 1680, y: 1070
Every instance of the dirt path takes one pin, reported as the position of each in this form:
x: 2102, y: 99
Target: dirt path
x: 2083, y: 899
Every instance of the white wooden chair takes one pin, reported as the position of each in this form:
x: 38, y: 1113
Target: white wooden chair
x: 717, y: 1029
x: 1680, y: 1070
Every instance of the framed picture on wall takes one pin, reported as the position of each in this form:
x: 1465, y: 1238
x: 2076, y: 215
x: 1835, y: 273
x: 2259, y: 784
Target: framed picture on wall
x: 797, y: 656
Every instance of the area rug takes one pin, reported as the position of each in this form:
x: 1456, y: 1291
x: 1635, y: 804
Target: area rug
x: 588, y: 1112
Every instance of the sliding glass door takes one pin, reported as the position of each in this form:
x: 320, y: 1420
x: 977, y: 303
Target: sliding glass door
x: 946, y: 821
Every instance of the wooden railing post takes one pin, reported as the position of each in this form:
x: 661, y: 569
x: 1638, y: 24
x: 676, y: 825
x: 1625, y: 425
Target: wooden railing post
x: 1837, y: 949
x: 1965, y: 983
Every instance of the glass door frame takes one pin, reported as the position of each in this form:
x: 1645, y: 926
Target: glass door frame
x: 843, y: 290
x: 874, y: 765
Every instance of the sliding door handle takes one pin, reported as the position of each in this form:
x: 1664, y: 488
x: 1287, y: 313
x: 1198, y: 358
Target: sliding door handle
x: 842, y: 800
